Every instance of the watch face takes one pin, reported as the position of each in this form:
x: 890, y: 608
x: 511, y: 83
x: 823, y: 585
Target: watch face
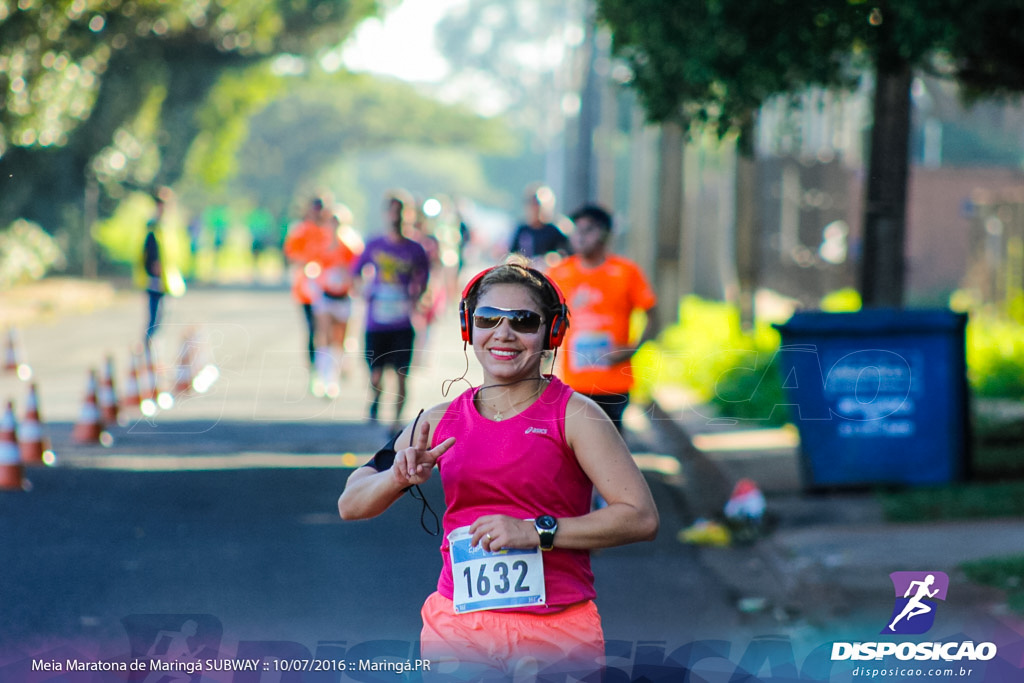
x: 546, y: 522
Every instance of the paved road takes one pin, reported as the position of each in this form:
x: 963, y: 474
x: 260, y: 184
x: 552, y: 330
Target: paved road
x: 221, y: 510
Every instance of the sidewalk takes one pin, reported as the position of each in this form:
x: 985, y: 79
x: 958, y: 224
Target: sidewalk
x: 825, y: 554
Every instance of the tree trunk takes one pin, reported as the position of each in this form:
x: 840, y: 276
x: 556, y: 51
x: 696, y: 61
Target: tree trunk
x: 640, y: 241
x: 669, y: 277
x: 747, y: 252
x: 607, y: 135
x: 883, y: 265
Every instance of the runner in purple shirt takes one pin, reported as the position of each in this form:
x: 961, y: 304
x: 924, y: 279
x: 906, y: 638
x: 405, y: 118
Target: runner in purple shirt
x: 400, y: 273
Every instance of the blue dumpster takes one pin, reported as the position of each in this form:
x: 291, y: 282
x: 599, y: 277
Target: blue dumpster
x: 879, y: 396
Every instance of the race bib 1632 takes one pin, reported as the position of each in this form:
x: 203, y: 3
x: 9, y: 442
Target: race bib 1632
x: 494, y: 580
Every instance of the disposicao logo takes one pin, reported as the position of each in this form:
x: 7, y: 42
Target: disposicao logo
x: 913, y: 611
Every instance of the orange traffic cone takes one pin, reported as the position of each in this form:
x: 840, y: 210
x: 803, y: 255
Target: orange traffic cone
x: 11, y: 469
x: 11, y: 363
x: 132, y: 397
x: 30, y: 431
x: 183, y: 381
x: 152, y: 390
x: 107, y: 396
x: 88, y: 429
x: 10, y: 353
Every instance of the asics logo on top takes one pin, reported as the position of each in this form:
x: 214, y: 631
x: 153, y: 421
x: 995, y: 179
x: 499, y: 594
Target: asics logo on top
x: 535, y: 430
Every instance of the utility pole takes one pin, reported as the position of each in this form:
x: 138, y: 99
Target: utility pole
x: 581, y: 185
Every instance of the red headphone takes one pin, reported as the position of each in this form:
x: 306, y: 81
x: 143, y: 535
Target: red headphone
x: 556, y: 327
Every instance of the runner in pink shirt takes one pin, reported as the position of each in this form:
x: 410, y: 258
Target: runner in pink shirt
x: 518, y: 459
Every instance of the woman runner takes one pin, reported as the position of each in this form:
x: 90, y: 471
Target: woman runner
x: 518, y: 458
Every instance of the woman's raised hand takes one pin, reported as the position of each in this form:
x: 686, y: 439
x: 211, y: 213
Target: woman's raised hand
x: 414, y: 464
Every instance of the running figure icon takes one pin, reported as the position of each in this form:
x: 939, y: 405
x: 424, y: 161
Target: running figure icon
x: 916, y: 605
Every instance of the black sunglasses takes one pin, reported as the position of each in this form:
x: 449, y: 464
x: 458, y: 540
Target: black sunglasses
x: 521, y: 321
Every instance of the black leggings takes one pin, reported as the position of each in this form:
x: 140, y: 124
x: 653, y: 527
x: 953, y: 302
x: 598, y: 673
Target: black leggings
x: 307, y: 310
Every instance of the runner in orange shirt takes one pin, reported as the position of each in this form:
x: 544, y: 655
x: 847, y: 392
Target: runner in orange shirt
x: 332, y: 305
x: 304, y: 243
x: 602, y: 290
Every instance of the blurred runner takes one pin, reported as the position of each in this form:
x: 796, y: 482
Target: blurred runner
x: 157, y: 272
x: 400, y: 274
x: 304, y: 243
x: 153, y: 272
x: 538, y: 238
x: 432, y: 302
x: 465, y: 236
x: 261, y: 225
x: 332, y: 305
x: 603, y: 290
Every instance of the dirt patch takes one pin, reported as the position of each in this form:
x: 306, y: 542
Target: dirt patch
x: 29, y: 303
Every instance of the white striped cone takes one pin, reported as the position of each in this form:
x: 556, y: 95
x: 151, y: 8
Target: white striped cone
x: 131, y: 397
x: 30, y: 431
x: 10, y: 353
x: 107, y: 396
x: 11, y: 470
x: 183, y: 381
x: 88, y: 428
x: 152, y: 390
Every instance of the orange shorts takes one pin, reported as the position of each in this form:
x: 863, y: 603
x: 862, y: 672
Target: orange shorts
x: 502, y: 645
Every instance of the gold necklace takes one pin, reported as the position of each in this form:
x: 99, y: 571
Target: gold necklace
x: 499, y: 415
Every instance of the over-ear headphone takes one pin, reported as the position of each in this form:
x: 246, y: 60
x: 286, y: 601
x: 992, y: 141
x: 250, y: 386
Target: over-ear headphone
x: 556, y: 326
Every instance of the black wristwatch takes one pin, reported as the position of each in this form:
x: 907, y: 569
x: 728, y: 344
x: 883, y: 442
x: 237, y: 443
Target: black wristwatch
x: 546, y: 526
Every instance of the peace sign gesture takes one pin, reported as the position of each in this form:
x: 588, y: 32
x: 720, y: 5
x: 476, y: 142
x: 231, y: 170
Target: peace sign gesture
x: 414, y: 464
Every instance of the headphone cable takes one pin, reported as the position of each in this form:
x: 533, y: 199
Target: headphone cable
x: 446, y: 385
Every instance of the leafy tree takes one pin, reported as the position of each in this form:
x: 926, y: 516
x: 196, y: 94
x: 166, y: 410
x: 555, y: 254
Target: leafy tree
x: 109, y: 88
x: 318, y: 118
x: 717, y: 61
x: 714, y: 63
x: 987, y: 48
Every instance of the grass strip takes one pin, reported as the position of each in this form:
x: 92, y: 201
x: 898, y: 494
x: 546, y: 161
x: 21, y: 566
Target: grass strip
x: 1004, y: 573
x: 954, y: 502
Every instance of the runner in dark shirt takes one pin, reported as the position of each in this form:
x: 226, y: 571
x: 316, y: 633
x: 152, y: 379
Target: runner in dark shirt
x: 538, y: 236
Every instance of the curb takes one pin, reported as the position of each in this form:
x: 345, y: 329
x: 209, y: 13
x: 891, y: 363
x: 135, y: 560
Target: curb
x: 770, y: 576
x: 707, y: 485
x: 830, y: 555
x: 757, y: 576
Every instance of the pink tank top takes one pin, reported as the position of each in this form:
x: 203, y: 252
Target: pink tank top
x: 520, y: 467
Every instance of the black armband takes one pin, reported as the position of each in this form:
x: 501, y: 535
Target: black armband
x: 385, y: 457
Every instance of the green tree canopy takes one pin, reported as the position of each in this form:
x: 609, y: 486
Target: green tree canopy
x: 74, y: 73
x: 717, y: 61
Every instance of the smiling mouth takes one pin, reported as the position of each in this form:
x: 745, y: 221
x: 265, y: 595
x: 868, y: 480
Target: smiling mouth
x: 503, y: 354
